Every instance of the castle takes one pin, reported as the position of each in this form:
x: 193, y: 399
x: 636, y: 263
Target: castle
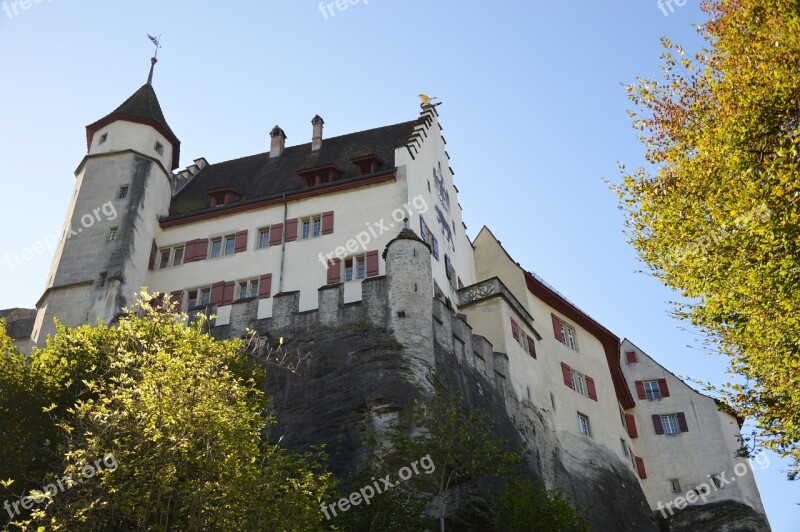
x: 366, y: 229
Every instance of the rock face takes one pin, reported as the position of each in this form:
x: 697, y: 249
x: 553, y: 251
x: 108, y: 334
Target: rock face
x: 353, y: 368
x: 726, y: 516
x: 353, y: 378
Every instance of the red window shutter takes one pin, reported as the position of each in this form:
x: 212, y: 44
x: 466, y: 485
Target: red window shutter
x: 630, y: 421
x: 241, y: 241
x: 334, y: 271
x: 657, y: 424
x: 557, y: 328
x: 291, y: 230
x: 373, y: 266
x: 640, y: 390
x: 275, y: 234
x: 590, y: 388
x: 265, y: 286
x: 327, y: 223
x: 682, y: 422
x: 176, y: 297
x: 662, y: 387
x: 217, y: 290
x: 227, y: 293
x: 196, y: 250
x: 514, y: 329
x: 630, y: 356
x: 531, y: 347
x: 567, y: 374
x: 153, y: 254
x: 640, y: 467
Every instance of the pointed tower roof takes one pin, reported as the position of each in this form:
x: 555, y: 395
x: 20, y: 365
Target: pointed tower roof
x: 143, y: 108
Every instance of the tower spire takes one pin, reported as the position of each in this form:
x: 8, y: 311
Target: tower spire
x: 154, y: 59
x: 153, y: 62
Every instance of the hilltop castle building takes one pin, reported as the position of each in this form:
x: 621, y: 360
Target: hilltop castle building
x: 367, y: 226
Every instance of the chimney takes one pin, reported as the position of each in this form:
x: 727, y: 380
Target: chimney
x: 316, y: 138
x: 278, y: 142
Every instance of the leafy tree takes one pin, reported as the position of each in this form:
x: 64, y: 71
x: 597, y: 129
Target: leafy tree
x: 174, y: 423
x: 719, y: 219
x: 524, y: 505
x: 466, y: 475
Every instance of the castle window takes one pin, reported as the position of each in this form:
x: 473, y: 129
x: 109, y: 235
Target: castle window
x: 568, y: 335
x: 675, y: 485
x: 355, y: 268
x: 716, y: 478
x: 624, y: 448
x: 223, y: 246
x: 159, y: 148
x: 170, y: 257
x: 583, y: 425
x: 247, y: 289
x: 367, y: 164
x: 652, y: 390
x: 435, y: 248
x: 103, y: 138
x: 670, y: 424
x: 312, y: 226
x: 101, y: 281
x: 198, y: 298
x: 579, y: 383
x: 263, y: 238
x: 122, y: 193
x: 112, y: 234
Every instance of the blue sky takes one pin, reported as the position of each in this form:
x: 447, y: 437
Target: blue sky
x: 534, y: 115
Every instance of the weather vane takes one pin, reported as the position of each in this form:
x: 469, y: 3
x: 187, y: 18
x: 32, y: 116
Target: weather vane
x: 427, y: 101
x: 156, y: 41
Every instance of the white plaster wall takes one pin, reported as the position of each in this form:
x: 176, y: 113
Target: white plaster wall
x: 123, y: 135
x: 355, y: 211
x: 707, y: 448
x: 544, y: 375
x: 419, y: 171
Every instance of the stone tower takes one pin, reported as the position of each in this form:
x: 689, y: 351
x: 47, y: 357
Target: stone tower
x: 123, y: 186
x: 408, y: 271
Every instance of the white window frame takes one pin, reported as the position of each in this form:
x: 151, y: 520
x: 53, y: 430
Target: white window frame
x: 314, y: 225
x: 122, y: 191
x: 113, y: 233
x: 250, y: 287
x: 223, y: 246
x: 198, y: 299
x: 579, y: 382
x: 259, y: 240
x: 354, y: 261
x: 669, y: 422
x: 651, y: 390
x: 584, y: 426
x: 171, y: 254
x: 569, y: 335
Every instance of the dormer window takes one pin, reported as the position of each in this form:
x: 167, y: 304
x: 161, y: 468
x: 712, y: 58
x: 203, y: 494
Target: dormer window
x: 222, y: 196
x: 368, y: 164
x: 319, y: 175
x: 159, y: 148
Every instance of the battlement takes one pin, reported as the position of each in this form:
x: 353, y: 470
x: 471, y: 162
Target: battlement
x: 450, y: 331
